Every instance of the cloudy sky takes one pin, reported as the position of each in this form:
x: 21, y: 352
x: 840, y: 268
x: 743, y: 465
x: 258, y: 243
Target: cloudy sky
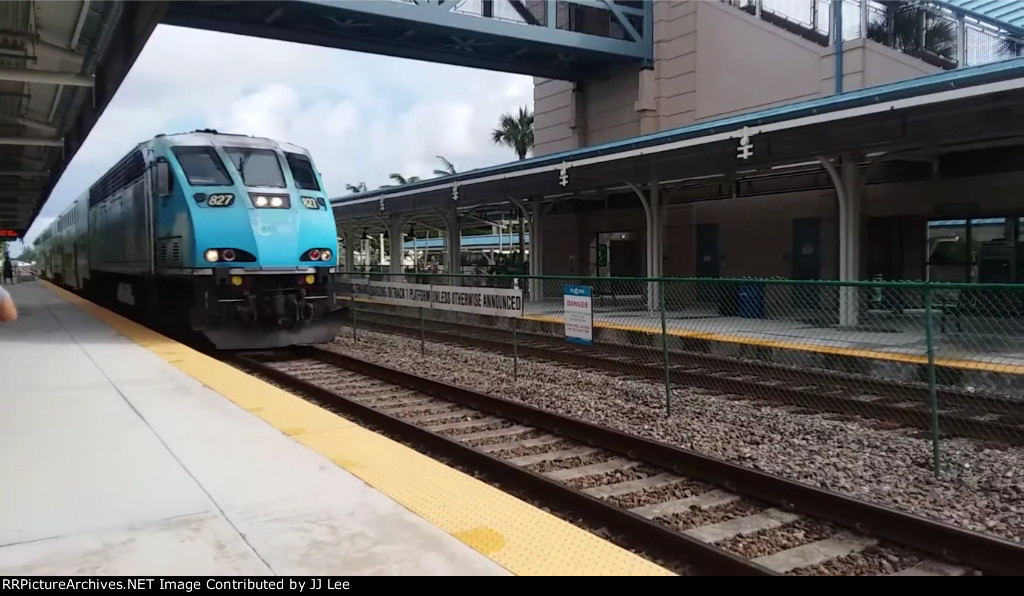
x: 362, y: 116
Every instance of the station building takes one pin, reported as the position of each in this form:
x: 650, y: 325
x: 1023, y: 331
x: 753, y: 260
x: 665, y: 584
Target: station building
x: 644, y: 172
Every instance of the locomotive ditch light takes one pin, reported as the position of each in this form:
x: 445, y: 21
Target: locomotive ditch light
x: 212, y: 255
x: 261, y: 201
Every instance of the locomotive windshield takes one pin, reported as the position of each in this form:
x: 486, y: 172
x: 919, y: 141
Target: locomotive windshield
x: 302, y: 171
x: 258, y: 167
x: 202, y: 166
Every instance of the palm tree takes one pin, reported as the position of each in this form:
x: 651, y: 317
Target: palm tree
x: 355, y: 188
x: 28, y: 254
x: 900, y: 29
x: 449, y: 169
x: 1009, y: 47
x: 515, y: 131
x: 402, y: 179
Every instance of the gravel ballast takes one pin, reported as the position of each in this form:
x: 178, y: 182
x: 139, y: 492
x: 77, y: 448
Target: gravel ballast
x: 982, y: 488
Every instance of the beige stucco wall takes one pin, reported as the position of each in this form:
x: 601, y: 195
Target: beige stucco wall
x: 711, y: 61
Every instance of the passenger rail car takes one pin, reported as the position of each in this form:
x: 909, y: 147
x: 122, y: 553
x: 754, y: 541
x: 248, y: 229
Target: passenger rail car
x: 230, y: 235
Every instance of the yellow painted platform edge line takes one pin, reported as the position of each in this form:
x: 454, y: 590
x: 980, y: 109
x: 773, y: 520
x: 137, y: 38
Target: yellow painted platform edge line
x: 963, y: 364
x: 143, y: 336
x: 1011, y: 369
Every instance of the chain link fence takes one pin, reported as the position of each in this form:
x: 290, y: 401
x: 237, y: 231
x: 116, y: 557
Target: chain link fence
x: 947, y: 359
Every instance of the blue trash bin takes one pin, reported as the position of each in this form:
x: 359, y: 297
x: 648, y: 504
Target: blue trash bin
x: 752, y: 301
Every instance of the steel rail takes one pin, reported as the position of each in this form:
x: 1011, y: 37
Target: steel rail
x: 652, y: 537
x: 956, y: 424
x: 991, y: 555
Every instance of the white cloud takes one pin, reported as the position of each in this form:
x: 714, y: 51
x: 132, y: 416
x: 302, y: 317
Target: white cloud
x: 362, y: 116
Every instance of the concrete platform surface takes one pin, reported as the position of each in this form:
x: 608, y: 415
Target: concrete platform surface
x: 114, y: 462
x: 990, y: 344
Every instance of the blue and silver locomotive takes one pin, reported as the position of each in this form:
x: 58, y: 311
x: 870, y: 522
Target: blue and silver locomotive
x: 230, y: 235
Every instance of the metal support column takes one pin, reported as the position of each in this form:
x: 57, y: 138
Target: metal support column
x: 849, y: 185
x: 654, y: 212
x: 837, y: 41
x: 453, y: 244
x: 961, y: 40
x: 396, y: 239
x: 349, y: 238
x: 536, y: 251
x: 862, y: 32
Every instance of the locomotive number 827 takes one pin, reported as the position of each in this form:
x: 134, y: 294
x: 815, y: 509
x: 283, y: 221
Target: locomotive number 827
x: 222, y: 200
x: 213, y: 230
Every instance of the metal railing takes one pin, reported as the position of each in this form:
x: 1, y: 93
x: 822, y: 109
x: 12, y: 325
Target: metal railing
x: 945, y: 358
x: 930, y: 32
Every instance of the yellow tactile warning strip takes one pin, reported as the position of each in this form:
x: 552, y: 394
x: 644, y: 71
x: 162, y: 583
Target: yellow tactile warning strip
x: 1010, y: 369
x: 516, y: 535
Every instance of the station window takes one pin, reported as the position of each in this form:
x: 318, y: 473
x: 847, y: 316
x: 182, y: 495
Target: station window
x: 258, y: 167
x: 972, y: 250
x: 302, y: 171
x: 202, y: 166
x: 948, y: 256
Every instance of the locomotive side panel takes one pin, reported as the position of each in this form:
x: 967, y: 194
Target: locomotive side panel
x: 80, y: 243
x: 120, y: 238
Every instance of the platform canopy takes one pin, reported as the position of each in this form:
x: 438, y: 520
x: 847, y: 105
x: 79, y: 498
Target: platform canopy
x: 910, y: 121
x: 54, y: 86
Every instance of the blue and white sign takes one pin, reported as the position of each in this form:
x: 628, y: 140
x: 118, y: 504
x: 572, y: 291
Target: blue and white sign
x: 579, y: 314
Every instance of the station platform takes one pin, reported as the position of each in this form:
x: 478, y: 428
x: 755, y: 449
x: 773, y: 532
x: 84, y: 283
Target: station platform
x: 893, y: 349
x: 884, y: 346
x: 881, y: 335
x: 125, y: 453
x: 902, y: 343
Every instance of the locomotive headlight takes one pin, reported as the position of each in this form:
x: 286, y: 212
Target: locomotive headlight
x: 276, y: 201
x: 261, y: 201
x: 325, y: 255
x: 212, y: 255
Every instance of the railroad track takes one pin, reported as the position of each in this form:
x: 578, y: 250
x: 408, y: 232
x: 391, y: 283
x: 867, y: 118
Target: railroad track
x: 666, y: 502
x: 960, y: 413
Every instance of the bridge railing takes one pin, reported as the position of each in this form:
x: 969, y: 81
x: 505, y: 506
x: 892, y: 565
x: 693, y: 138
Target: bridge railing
x: 928, y: 31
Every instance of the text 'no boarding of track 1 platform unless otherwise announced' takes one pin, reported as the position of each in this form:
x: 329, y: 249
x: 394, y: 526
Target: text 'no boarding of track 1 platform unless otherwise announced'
x: 303, y: 584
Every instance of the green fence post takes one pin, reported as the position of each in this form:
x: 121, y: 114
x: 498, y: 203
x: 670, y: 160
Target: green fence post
x: 515, y: 349
x: 423, y: 335
x: 664, y: 347
x: 933, y: 399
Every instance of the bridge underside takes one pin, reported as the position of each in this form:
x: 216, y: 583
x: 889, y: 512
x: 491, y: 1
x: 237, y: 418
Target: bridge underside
x: 60, y: 65
x: 559, y: 39
x: 62, y: 62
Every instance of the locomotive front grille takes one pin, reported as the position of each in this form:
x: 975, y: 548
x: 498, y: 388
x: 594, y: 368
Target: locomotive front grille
x: 169, y: 252
x: 269, y: 300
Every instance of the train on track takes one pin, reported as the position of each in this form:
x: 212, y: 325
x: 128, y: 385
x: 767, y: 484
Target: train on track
x: 230, y: 236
